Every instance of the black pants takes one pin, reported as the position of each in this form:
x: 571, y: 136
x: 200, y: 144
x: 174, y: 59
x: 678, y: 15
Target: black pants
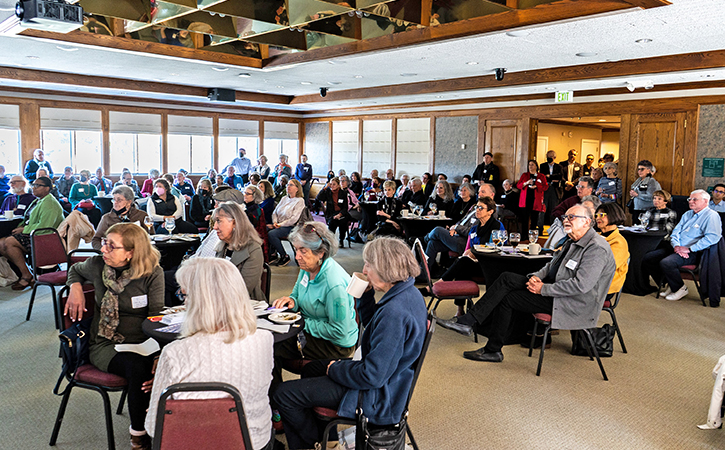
x: 464, y: 268
x: 663, y: 264
x: 342, y: 223
x: 507, y: 294
x: 136, y: 369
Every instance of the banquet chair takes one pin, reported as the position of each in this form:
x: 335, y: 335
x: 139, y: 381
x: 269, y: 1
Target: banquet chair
x: 545, y: 320
x: 266, y: 280
x: 609, y: 306
x: 688, y: 272
x: 446, y: 290
x: 330, y: 415
x: 89, y: 377
x: 201, y: 424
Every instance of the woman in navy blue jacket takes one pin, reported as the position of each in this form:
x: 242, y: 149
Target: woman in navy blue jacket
x: 393, y: 338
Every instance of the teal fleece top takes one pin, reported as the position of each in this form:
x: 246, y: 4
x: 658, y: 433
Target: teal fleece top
x: 328, y: 309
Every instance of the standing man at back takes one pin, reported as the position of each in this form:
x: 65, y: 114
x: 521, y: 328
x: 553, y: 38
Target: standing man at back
x: 571, y: 170
x: 242, y: 166
x: 487, y: 171
x: 303, y: 174
x: 38, y: 162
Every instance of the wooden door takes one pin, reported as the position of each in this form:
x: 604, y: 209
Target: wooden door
x: 659, y: 138
x: 504, y: 138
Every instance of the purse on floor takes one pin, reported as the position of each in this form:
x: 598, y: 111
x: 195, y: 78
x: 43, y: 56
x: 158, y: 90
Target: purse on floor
x: 372, y: 437
x: 603, y: 341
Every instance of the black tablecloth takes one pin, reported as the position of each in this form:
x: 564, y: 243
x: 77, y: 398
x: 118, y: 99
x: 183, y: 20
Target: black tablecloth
x: 173, y: 251
x: 149, y: 328
x: 639, y: 244
x: 7, y: 226
x: 493, y: 265
x: 419, y: 227
x: 369, y: 216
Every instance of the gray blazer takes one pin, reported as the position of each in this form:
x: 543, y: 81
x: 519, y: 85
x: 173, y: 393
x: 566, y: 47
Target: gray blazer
x: 581, y: 284
x: 249, y: 260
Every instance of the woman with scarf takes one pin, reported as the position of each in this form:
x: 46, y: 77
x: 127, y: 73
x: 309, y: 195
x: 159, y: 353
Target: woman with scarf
x: 389, y: 209
x: 129, y: 286
x: 642, y: 190
x: 164, y: 205
x: 202, y: 203
x: 124, y: 210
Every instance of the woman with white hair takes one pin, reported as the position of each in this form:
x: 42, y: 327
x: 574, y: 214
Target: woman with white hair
x: 221, y: 344
x: 441, y: 197
x: 395, y: 328
x: 148, y: 184
x: 262, y: 168
x: 282, y: 169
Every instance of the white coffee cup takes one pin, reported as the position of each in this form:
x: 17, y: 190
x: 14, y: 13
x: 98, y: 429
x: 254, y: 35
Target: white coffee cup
x: 534, y: 249
x: 405, y: 213
x: 442, y: 214
x: 9, y: 214
x: 358, y: 285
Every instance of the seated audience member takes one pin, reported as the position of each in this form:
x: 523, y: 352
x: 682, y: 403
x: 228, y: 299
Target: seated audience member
x: 571, y: 287
x: 221, y: 344
x: 284, y: 218
x: 129, y: 287
x: 608, y: 216
x: 210, y: 175
x: 395, y: 329
x: 466, y: 200
x: 442, y: 177
x: 415, y: 196
x: 341, y: 173
x: 369, y: 183
x: 202, y: 204
x: 280, y: 189
x: 262, y: 168
x: 81, y: 198
x: 428, y: 185
x: 356, y: 183
x: 442, y: 197
x: 584, y: 187
x: 44, y: 173
x: 175, y: 192
x: 388, y: 212
x: 404, y: 180
x: 253, y: 198
x: 591, y: 202
x: 63, y: 185
x: 148, y: 184
x: 718, y: 194
x: 18, y: 198
x: 254, y: 179
x: 661, y: 217
x: 219, y: 182
x: 127, y: 180
x: 43, y: 212
x: 268, y: 203
x: 282, y: 169
x: 335, y: 201
x: 38, y: 162
x: 609, y: 188
x: 163, y: 205
x: 4, y: 184
x: 124, y: 210
x: 509, y: 198
x: 698, y: 229
x: 353, y: 204
x: 103, y: 185
x: 233, y: 180
x: 374, y: 192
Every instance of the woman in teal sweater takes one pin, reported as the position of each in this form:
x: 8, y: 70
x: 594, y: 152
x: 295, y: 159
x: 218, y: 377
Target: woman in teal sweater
x: 83, y: 190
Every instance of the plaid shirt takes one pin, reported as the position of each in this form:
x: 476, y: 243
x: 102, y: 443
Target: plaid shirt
x: 661, y: 220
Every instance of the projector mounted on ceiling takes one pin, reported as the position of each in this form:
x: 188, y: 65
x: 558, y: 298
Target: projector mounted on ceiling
x: 49, y: 15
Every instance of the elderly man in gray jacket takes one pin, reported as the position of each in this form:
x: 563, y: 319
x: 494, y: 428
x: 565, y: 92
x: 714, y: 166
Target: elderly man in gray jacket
x: 571, y: 287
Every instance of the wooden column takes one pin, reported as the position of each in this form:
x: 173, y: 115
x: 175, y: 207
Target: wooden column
x: 301, y: 139
x: 359, y: 146
x: 331, y: 142
x: 215, y: 152
x: 261, y: 139
x: 29, y: 131
x: 432, y: 152
x: 394, y: 147
x: 106, y: 141
x: 164, y: 143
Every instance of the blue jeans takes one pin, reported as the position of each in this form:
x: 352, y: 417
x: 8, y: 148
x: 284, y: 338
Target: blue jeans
x: 440, y: 240
x: 275, y: 239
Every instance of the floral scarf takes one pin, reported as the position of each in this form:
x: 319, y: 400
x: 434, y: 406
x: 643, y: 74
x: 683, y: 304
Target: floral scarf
x: 109, y: 303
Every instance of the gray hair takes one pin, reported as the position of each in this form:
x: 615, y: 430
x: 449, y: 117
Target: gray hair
x: 417, y: 181
x: 610, y: 165
x: 125, y: 191
x: 391, y: 259
x: 588, y: 180
x: 592, y: 198
x: 256, y: 193
x: 489, y: 187
x: 447, y: 191
x: 315, y: 236
x: 506, y: 181
x: 701, y: 192
x: 345, y: 178
x: 154, y: 173
x: 243, y: 232
x: 469, y: 187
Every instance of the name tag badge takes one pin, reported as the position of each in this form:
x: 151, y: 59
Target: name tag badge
x: 571, y: 264
x: 611, y: 183
x: 158, y: 200
x: 485, y: 170
x: 538, y: 180
x: 228, y: 258
x: 21, y: 206
x: 140, y: 301
x: 341, y: 200
x: 490, y: 177
x: 305, y: 279
x: 696, y: 226
x: 82, y: 190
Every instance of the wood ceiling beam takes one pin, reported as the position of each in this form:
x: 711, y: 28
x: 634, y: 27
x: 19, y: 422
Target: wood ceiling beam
x: 643, y: 66
x: 71, y: 79
x: 644, y: 4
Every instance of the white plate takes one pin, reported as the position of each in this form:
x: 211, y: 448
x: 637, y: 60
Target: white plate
x: 284, y: 318
x: 484, y: 249
x: 259, y: 304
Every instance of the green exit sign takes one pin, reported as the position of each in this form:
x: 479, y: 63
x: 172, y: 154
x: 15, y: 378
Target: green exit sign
x: 564, y: 97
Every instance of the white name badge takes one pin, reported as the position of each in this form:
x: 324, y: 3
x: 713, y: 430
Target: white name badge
x: 82, y: 190
x: 473, y: 236
x: 304, y: 280
x: 538, y: 181
x: 140, y: 301
x: 21, y: 206
x: 340, y: 200
x: 611, y: 183
x: 571, y: 264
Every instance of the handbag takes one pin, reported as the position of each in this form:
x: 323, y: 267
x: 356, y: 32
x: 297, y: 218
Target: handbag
x: 603, y: 341
x: 85, y: 205
x: 630, y: 206
x: 74, y: 349
x: 373, y: 437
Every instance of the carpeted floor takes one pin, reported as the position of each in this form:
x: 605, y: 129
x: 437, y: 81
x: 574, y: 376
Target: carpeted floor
x: 656, y: 395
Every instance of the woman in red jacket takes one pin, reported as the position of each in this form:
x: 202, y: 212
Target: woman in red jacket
x: 531, y: 201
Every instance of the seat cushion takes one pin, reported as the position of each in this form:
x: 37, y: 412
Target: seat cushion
x: 446, y: 289
x: 88, y: 373
x: 56, y: 278
x: 543, y: 317
x: 607, y: 304
x: 691, y: 267
x: 327, y: 413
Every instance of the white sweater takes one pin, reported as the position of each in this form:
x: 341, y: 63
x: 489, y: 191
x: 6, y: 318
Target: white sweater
x: 245, y: 364
x: 288, y: 211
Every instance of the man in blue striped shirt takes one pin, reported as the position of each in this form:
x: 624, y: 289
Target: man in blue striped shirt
x: 698, y: 229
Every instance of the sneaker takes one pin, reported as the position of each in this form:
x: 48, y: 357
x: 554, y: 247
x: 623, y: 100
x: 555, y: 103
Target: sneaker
x: 677, y: 295
x: 666, y: 292
x: 284, y: 260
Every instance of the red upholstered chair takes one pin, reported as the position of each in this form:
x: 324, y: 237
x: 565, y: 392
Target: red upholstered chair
x: 692, y: 272
x: 201, y: 424
x: 446, y: 290
x: 545, y: 320
x: 330, y: 415
x: 89, y: 377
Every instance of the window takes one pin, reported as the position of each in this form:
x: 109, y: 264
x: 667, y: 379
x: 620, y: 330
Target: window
x: 71, y: 137
x: 377, y: 146
x: 280, y: 137
x: 10, y: 138
x: 191, y: 144
x: 135, y: 142
x: 344, y: 146
x: 235, y: 134
x: 413, y: 146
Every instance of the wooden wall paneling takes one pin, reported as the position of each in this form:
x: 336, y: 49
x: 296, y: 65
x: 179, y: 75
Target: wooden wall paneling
x: 481, y: 148
x: 301, y: 140
x: 531, y: 133
x: 29, y: 130
x: 659, y: 138
x: 106, y: 141
x: 261, y: 140
x: 215, y: 151
x: 432, y: 151
x: 504, y: 139
x: 164, y: 143
x: 359, y: 147
x: 394, y: 146
x: 690, y: 152
x: 624, y: 164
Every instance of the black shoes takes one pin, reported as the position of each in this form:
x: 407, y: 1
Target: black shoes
x: 453, y: 324
x: 481, y: 355
x: 283, y: 261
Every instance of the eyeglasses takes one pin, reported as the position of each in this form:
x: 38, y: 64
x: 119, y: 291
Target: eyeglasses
x: 718, y: 192
x: 600, y: 215
x: 181, y: 295
x: 36, y: 185
x: 639, y: 169
x: 481, y: 208
x: 579, y: 186
x: 571, y: 217
x: 311, y: 228
x: 694, y: 199
x: 106, y: 243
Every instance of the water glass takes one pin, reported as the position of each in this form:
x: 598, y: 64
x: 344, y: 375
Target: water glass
x: 148, y: 222
x: 533, y: 236
x: 170, y: 225
x: 503, y: 236
x: 433, y: 208
x: 514, y: 239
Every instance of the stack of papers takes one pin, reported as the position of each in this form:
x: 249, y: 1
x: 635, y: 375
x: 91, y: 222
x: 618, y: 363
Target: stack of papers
x: 171, y: 319
x: 267, y: 325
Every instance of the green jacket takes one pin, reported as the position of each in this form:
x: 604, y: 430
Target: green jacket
x: 328, y: 309
x: 47, y: 213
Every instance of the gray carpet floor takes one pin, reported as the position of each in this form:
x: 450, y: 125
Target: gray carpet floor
x: 657, y: 393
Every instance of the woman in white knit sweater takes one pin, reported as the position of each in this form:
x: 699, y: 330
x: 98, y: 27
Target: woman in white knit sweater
x: 221, y: 344
x: 284, y: 218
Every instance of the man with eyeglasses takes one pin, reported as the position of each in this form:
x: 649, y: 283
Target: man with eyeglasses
x: 44, y: 212
x: 584, y: 187
x: 718, y: 194
x: 571, y: 287
x: 698, y: 229
x: 587, y: 168
x: 17, y: 199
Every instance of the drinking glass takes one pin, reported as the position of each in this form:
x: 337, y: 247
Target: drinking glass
x: 514, y: 239
x: 645, y: 221
x: 533, y: 236
x: 170, y: 225
x: 148, y: 222
x: 434, y: 208
x: 642, y: 218
x: 495, y: 237
x: 503, y: 236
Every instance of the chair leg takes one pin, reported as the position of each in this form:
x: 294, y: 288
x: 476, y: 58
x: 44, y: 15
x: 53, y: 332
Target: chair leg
x: 326, y: 433
x: 412, y: 439
x: 616, y: 328
x: 56, y: 307
x: 543, y: 346
x: 109, y: 418
x: 697, y: 286
x: 596, y: 353
x: 119, y: 411
x: 32, y: 300
x: 61, y: 413
x: 533, y: 338
x: 469, y: 306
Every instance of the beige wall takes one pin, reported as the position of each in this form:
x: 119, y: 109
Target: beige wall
x: 610, y: 143
x: 561, y: 142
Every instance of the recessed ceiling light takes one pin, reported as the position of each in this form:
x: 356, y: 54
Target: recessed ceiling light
x: 220, y: 69
x: 244, y: 75
x: 472, y: 63
x: 518, y: 33
x: 550, y: 88
x: 334, y: 83
x: 602, y: 120
x: 408, y: 74
x: 358, y: 76
x: 708, y: 75
x: 643, y: 41
x: 66, y: 48
x: 306, y: 83
x: 586, y: 54
x: 33, y: 57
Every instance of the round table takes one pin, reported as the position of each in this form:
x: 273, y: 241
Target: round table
x: 493, y: 264
x: 149, y: 328
x: 8, y: 225
x: 637, y: 282
x: 174, y: 249
x: 415, y: 226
